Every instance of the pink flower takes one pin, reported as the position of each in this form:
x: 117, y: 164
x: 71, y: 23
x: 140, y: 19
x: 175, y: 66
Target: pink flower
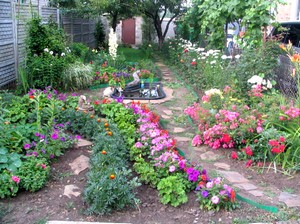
x: 281, y: 139
x: 215, y: 199
x: 234, y: 155
x: 209, y: 184
x: 172, y: 168
x: 249, y: 163
x: 15, y: 179
x: 138, y: 145
x: 197, y: 140
x: 259, y: 129
x: 43, y: 166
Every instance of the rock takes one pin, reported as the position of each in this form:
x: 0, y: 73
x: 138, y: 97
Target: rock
x: 79, y: 164
x: 168, y: 112
x: 209, y: 156
x: 223, y: 166
x: 165, y: 116
x: 256, y: 193
x: 178, y: 130
x: 182, y: 139
x: 70, y: 190
x: 83, y: 143
x: 291, y: 200
x: 233, y: 176
x: 246, y: 186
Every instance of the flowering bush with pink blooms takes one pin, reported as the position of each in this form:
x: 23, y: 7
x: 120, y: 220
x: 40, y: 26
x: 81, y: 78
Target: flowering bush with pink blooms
x: 248, y: 124
x: 157, y: 148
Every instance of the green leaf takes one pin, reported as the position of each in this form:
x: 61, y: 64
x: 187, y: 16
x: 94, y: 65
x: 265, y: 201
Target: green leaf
x: 3, y: 151
x: 3, y: 159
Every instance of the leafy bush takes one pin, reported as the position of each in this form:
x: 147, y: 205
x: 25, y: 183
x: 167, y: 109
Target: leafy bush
x: 9, y: 161
x: 33, y: 173
x: 9, y: 184
x: 172, y: 190
x: 100, y: 35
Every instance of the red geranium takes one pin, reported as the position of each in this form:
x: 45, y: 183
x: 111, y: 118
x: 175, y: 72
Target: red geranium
x: 234, y: 155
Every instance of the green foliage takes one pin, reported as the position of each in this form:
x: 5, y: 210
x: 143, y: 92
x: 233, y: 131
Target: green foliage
x: 100, y: 35
x: 146, y: 171
x: 255, y: 61
x: 9, y: 161
x: 172, y: 190
x: 81, y: 52
x: 77, y: 76
x: 33, y: 173
x: 7, y: 186
x: 124, y: 118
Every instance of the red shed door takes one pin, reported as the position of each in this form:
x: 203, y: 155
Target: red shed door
x: 128, y: 31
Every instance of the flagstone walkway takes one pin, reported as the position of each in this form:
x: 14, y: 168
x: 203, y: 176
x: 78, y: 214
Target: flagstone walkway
x: 171, y: 110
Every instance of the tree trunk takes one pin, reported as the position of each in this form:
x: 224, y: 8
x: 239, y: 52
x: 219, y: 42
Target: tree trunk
x: 160, y: 36
x: 114, y: 21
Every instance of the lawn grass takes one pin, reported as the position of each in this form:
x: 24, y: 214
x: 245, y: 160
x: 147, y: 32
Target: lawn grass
x: 131, y: 54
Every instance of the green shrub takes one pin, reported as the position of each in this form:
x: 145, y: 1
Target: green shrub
x: 33, y: 173
x: 172, y: 190
x: 100, y: 35
x: 8, y: 187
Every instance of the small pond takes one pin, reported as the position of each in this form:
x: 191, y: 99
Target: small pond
x: 144, y: 91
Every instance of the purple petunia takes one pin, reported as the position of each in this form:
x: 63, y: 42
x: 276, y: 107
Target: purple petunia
x: 54, y: 136
x: 27, y: 146
x: 37, y: 134
x: 204, y: 194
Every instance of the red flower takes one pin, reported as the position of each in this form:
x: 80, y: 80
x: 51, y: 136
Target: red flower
x: 97, y: 73
x: 203, y: 177
x: 96, y: 102
x: 193, y: 63
x: 249, y: 163
x: 226, y: 138
x: 281, y: 139
x: 186, y: 50
x: 273, y: 142
x: 234, y: 155
x: 249, y: 151
x: 91, y: 62
x: 31, y: 97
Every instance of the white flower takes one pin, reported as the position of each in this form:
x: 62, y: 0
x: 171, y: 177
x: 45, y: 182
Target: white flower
x: 51, y: 52
x: 224, y: 57
x: 229, y: 57
x: 237, y: 56
x: 203, y: 57
x: 213, y: 62
x: 112, y: 43
x: 194, y: 59
x: 255, y: 80
x: 201, y: 49
x: 46, y: 50
x: 62, y: 54
x: 269, y: 84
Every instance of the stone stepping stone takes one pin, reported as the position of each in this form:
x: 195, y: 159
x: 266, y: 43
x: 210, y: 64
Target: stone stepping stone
x: 233, y: 177
x: 256, y: 193
x: 165, y: 116
x: 168, y: 112
x: 80, y: 164
x: 83, y: 143
x: 176, y: 108
x: 209, y: 156
x: 291, y: 200
x: 246, y: 186
x: 183, y: 139
x: 179, y: 130
x: 223, y: 166
x: 71, y: 190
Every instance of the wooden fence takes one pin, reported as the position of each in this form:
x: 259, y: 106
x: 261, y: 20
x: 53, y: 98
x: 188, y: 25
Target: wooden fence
x: 13, y: 19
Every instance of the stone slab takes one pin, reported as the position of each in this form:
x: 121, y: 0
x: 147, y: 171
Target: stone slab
x: 168, y: 112
x: 71, y: 190
x: 80, y: 164
x: 165, y: 116
x: 176, y: 108
x: 183, y: 139
x: 291, y: 200
x: 233, y: 177
x: 246, y: 186
x: 209, y: 156
x: 83, y: 143
x: 222, y: 166
x: 256, y: 193
x: 178, y: 130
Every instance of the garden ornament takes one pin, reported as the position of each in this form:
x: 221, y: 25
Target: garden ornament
x: 136, y: 79
x: 84, y: 105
